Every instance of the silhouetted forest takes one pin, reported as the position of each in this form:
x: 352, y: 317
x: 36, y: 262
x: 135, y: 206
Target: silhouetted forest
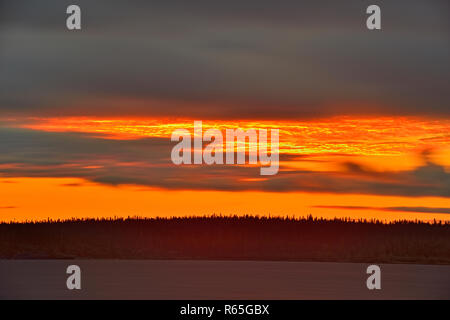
x: 225, y: 238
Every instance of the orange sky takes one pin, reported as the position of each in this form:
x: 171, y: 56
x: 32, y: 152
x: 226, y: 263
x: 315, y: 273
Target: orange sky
x: 349, y: 135
x: 64, y: 198
x: 385, y: 145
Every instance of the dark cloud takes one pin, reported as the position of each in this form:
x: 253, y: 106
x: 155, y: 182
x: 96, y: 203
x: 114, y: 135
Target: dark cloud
x: 225, y: 59
x: 420, y: 209
x: 401, y: 209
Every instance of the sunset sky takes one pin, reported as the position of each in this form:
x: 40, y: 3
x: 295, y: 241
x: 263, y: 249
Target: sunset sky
x: 86, y: 116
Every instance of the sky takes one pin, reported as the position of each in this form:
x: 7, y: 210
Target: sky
x: 86, y: 116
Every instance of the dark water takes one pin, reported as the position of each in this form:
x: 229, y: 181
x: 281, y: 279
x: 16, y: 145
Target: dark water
x: 149, y: 279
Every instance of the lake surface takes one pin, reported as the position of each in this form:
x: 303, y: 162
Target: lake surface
x: 162, y: 279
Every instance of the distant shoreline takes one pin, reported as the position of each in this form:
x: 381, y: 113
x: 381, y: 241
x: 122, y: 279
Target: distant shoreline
x: 248, y: 238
